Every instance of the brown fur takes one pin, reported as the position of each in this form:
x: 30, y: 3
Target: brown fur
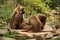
x: 17, y: 17
x: 24, y: 25
x: 36, y: 24
x: 42, y: 18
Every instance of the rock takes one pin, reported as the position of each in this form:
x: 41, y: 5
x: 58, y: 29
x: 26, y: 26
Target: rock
x: 6, y: 38
x: 48, y: 28
x: 3, y: 31
x: 31, y: 39
x: 49, y: 35
x: 58, y: 31
x: 54, y: 29
x: 20, y: 37
x: 55, y: 34
x: 39, y: 37
x: 37, y: 34
x: 30, y: 34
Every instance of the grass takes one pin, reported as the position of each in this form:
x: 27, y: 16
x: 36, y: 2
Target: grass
x: 57, y: 38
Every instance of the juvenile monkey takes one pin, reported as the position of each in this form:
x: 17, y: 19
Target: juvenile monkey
x: 17, y: 17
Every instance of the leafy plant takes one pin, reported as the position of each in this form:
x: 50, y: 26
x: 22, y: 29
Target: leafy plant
x: 57, y: 38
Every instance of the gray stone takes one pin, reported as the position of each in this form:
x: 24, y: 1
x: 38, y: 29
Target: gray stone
x: 39, y: 37
x: 55, y: 34
x: 58, y: 31
x: 48, y: 28
x: 31, y: 39
x: 49, y: 35
x: 6, y: 38
x: 2, y: 31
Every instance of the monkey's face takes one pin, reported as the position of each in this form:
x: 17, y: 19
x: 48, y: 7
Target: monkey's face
x: 21, y: 10
x: 42, y: 18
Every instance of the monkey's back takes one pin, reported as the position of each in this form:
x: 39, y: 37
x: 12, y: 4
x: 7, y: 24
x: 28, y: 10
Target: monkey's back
x: 34, y: 21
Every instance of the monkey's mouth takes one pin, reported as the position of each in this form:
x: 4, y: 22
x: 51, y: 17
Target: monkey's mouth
x: 21, y: 12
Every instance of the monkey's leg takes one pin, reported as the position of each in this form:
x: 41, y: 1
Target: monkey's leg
x: 13, y: 24
x: 28, y: 29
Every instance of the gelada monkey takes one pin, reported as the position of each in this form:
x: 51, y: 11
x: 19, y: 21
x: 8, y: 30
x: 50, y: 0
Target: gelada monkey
x: 42, y: 18
x: 34, y: 23
x: 37, y: 23
x: 17, y: 17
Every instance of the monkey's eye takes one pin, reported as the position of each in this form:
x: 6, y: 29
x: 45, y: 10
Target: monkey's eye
x: 20, y: 12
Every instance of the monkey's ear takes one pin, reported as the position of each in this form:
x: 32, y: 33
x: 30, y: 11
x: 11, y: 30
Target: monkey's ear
x: 15, y: 14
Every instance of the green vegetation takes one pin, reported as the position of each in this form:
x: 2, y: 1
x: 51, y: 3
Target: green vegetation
x: 57, y: 38
x: 31, y: 7
x: 9, y: 34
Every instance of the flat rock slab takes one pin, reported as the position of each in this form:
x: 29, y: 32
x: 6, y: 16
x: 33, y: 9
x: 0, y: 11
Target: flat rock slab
x: 47, y: 30
x: 37, y: 35
x: 20, y: 31
x: 30, y: 34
